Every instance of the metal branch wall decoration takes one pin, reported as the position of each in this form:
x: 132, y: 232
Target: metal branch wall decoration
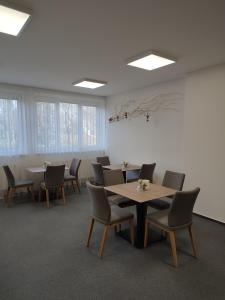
x: 148, y: 106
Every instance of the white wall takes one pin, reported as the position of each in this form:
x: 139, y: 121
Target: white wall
x: 190, y: 140
x: 159, y: 140
x: 205, y: 139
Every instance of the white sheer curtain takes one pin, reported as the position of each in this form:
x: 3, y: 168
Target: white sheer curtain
x: 68, y: 127
x: 12, y: 127
x: 30, y: 127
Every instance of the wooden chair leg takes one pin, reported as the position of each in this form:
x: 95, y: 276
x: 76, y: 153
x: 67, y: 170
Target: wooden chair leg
x: 10, y: 196
x: 104, y: 237
x: 193, y: 240
x: 131, y: 222
x: 63, y: 195
x: 6, y: 196
x: 39, y: 195
x: 32, y: 193
x: 78, y: 185
x: 146, y: 235
x: 73, y: 186
x: 173, y: 247
x: 47, y: 198
x: 90, y: 232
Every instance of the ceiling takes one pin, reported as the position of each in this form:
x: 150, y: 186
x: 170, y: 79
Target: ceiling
x: 72, y: 39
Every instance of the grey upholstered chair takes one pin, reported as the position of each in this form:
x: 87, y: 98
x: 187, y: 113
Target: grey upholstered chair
x: 106, y: 215
x: 103, y: 160
x: 54, y: 180
x: 13, y: 185
x: 179, y: 216
x: 147, y: 171
x: 73, y: 177
x: 98, y: 174
x: 114, y: 177
x: 173, y: 180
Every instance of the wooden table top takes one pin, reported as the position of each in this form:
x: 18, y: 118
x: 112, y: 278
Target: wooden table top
x: 129, y: 190
x: 130, y: 167
x: 40, y: 169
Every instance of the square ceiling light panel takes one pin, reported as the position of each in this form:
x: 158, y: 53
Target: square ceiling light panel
x: 89, y: 83
x: 150, y: 62
x: 12, y: 21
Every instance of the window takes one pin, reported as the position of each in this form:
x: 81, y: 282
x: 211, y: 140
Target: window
x: 68, y: 120
x: 89, y: 125
x: 66, y: 127
x: 10, y: 127
x: 46, y: 136
x: 28, y: 126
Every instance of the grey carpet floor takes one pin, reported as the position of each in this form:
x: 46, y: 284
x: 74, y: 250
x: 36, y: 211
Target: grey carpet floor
x: 43, y: 256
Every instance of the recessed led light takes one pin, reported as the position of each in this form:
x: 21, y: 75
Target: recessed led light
x: 150, y: 62
x: 12, y: 21
x: 89, y: 83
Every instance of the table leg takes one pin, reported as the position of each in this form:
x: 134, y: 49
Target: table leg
x: 125, y: 176
x: 141, y: 209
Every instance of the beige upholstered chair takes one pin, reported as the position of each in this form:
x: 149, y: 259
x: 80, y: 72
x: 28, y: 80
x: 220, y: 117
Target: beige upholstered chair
x: 173, y: 180
x: 14, y: 185
x: 54, y: 180
x: 73, y: 177
x: 114, y: 177
x: 109, y: 216
x: 147, y: 171
x: 98, y: 174
x: 103, y: 160
x: 178, y: 217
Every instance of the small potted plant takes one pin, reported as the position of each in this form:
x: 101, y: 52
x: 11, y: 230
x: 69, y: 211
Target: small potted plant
x: 46, y: 163
x: 125, y: 164
x: 143, y: 184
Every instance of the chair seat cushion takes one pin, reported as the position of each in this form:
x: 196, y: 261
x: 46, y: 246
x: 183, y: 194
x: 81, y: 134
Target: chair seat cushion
x: 161, y: 218
x: 69, y: 178
x: 21, y: 183
x: 161, y: 204
x: 120, y: 201
x: 119, y: 215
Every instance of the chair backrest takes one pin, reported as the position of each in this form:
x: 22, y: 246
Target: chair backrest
x: 100, y: 204
x: 113, y: 177
x: 181, y: 209
x: 9, y: 176
x: 147, y: 171
x: 74, y: 167
x: 54, y: 176
x: 98, y: 173
x: 173, y: 180
x: 103, y: 160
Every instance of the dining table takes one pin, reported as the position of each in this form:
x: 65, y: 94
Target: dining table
x: 141, y: 199
x: 123, y: 168
x: 40, y: 169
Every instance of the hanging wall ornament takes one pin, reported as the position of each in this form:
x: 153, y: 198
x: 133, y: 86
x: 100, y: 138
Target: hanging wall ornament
x: 146, y: 107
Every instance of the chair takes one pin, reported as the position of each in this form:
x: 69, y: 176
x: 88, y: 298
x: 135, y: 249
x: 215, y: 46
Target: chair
x: 173, y: 180
x: 113, y: 177
x: 13, y: 185
x: 73, y: 177
x: 54, y: 180
x: 106, y: 215
x: 179, y: 216
x: 98, y: 174
x: 103, y: 160
x: 147, y: 171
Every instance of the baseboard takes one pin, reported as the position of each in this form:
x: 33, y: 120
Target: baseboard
x: 210, y: 219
